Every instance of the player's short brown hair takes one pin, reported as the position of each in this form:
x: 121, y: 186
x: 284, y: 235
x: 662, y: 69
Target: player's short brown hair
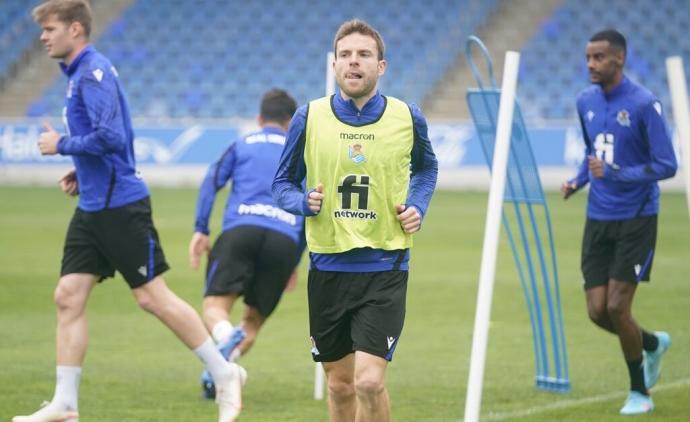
x: 67, y: 11
x: 359, y: 26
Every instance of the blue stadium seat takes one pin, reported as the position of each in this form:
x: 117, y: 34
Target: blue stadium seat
x: 215, y: 58
x: 18, y: 33
x: 654, y: 30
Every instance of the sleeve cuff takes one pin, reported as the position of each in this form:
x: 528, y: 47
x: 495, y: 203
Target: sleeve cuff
x: 61, y: 145
x: 305, y: 205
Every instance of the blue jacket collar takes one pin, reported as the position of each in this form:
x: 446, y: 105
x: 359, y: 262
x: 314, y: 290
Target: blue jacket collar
x: 618, y: 90
x: 69, y: 70
x: 374, y: 105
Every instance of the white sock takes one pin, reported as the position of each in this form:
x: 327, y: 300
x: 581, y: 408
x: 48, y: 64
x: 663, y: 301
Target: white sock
x: 67, y: 387
x: 211, y: 357
x: 221, y: 330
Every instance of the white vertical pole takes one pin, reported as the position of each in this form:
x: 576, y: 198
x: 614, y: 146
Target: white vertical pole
x: 330, y: 75
x: 319, y: 381
x: 491, y: 233
x: 681, y: 112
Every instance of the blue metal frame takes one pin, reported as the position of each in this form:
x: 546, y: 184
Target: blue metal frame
x: 525, y: 194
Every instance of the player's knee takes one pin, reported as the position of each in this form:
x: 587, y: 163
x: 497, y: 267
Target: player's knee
x: 66, y: 298
x: 617, y: 310
x: 597, y: 315
x: 340, y: 389
x: 147, y: 303
x: 368, y: 387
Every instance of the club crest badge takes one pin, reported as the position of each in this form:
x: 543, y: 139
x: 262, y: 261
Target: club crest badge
x: 356, y: 154
x: 623, y: 118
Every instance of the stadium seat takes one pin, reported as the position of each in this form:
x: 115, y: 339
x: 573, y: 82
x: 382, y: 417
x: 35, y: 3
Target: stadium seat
x: 654, y: 31
x: 242, y: 49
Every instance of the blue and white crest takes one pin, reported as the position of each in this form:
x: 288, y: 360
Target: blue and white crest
x: 623, y: 118
x: 356, y: 154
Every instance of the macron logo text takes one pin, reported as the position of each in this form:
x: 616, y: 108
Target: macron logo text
x: 357, y: 136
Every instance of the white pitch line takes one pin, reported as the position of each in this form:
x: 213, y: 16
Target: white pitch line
x: 501, y: 416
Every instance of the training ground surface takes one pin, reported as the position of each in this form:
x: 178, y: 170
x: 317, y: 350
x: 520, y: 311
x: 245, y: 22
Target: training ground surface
x: 136, y: 370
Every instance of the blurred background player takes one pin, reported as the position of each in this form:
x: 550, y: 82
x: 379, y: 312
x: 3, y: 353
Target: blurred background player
x: 257, y: 253
x: 628, y: 149
x: 369, y: 164
x: 112, y: 228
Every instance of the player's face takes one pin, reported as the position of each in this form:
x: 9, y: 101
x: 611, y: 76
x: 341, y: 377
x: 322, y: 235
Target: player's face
x: 357, y: 67
x: 57, y: 37
x: 603, y: 62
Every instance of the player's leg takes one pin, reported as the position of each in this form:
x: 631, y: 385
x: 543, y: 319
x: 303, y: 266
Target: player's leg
x: 619, y: 307
x: 329, y: 329
x: 635, y: 239
x: 597, y: 255
x: 71, y: 296
x: 596, y: 297
x: 82, y: 266
x: 274, y: 262
x: 342, y: 401
x: 634, y: 259
x: 252, y: 321
x: 230, y: 268
x: 377, y: 324
x: 621, y: 294
x: 131, y: 243
x: 156, y: 298
x: 372, y: 397
x: 216, y: 314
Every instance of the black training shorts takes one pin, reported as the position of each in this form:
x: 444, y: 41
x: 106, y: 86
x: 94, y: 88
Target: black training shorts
x: 355, y: 311
x: 620, y: 249
x: 122, y: 239
x: 252, y: 261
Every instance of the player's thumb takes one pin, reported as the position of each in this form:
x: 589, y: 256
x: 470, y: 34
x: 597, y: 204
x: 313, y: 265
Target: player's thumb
x: 47, y: 126
x: 400, y: 208
x: 319, y: 188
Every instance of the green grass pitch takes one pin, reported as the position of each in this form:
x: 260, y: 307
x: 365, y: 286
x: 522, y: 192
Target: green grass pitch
x: 136, y: 370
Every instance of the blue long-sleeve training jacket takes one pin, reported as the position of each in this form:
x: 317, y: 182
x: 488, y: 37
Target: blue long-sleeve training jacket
x: 99, y: 134
x: 626, y: 130
x: 251, y: 163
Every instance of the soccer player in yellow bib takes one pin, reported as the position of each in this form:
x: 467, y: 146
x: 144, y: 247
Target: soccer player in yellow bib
x: 360, y: 166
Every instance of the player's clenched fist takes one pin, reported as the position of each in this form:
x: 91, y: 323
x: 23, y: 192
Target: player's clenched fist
x: 315, y: 198
x: 409, y: 218
x: 68, y: 183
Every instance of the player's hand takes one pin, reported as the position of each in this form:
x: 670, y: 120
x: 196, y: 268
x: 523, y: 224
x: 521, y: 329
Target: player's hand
x: 596, y: 166
x: 567, y: 189
x: 292, y: 282
x: 198, y: 246
x: 48, y: 140
x: 409, y: 218
x: 68, y: 183
x: 315, y: 198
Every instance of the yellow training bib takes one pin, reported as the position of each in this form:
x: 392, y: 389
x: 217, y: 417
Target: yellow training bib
x: 365, y: 171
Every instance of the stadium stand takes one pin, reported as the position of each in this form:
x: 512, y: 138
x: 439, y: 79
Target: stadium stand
x: 211, y: 58
x: 18, y: 34
x: 553, y: 68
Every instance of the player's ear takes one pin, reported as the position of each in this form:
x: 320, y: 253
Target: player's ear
x: 620, y: 57
x: 382, y: 67
x: 76, y: 29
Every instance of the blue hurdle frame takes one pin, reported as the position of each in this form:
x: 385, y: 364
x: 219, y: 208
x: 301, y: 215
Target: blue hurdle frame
x: 524, y: 189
